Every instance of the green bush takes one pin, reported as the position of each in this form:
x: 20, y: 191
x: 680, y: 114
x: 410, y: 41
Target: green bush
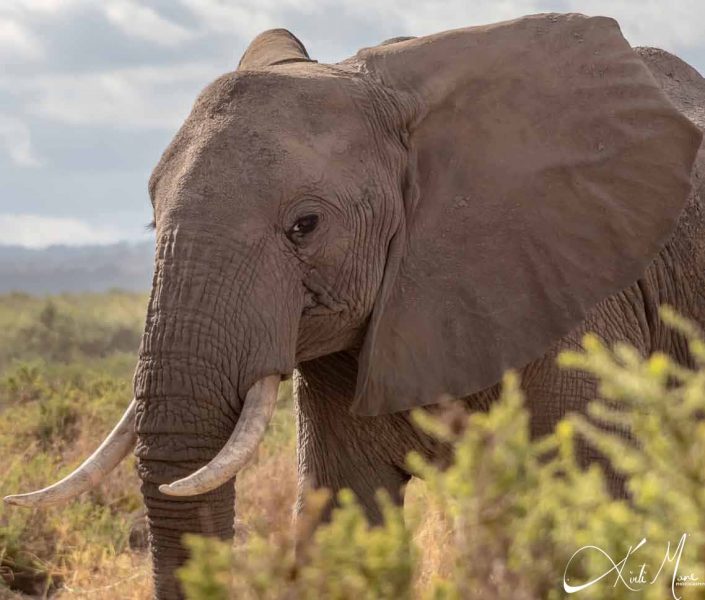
x: 520, y: 515
x: 345, y: 559
x: 69, y: 328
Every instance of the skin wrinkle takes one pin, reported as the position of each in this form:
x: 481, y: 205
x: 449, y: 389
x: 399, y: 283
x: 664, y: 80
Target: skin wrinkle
x: 200, y: 351
x: 198, y: 318
x: 158, y: 402
x: 347, y: 280
x: 337, y: 449
x: 347, y: 273
x: 251, y: 271
x: 225, y: 276
x: 372, y: 110
x: 207, y: 515
x: 198, y: 326
x: 213, y: 424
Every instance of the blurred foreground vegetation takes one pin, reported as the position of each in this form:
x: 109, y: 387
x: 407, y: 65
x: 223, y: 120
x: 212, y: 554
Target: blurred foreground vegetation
x: 514, y: 518
x: 503, y: 522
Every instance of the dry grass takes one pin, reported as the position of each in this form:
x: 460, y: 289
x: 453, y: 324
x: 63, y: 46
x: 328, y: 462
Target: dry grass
x: 53, y: 415
x: 432, y: 535
x: 126, y: 575
x: 266, y: 495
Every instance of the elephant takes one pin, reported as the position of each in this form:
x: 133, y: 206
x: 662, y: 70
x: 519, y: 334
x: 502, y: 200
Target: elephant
x: 394, y: 230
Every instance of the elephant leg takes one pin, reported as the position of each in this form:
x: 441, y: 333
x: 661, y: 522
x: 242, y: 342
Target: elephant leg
x: 337, y: 449
x: 552, y: 392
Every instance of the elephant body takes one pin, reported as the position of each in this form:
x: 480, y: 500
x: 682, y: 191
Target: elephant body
x: 399, y: 228
x: 338, y: 449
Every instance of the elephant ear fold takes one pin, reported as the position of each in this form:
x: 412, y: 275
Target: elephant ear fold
x: 273, y: 47
x: 546, y: 170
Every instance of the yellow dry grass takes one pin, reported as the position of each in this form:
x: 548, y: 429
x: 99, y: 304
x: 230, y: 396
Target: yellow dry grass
x: 266, y: 495
x: 54, y: 413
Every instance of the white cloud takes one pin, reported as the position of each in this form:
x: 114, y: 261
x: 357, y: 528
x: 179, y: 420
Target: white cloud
x: 38, y: 6
x: 668, y: 25
x: 246, y: 18
x: 129, y: 16
x: 144, y: 22
x: 35, y: 231
x: 431, y: 16
x: 16, y: 141
x: 674, y: 24
x: 236, y: 19
x: 17, y: 41
x: 677, y: 23
x: 142, y: 97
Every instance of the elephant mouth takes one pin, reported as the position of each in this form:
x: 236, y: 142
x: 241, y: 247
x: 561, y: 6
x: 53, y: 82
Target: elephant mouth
x: 257, y: 411
x: 320, y: 310
x: 319, y: 300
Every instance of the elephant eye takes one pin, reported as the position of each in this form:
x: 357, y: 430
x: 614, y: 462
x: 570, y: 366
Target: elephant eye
x: 302, y: 226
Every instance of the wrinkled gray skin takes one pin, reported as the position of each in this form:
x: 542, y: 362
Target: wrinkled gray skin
x: 234, y: 299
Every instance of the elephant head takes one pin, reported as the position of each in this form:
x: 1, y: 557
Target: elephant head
x: 445, y: 207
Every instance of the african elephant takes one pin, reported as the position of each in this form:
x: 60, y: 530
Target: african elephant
x: 401, y: 227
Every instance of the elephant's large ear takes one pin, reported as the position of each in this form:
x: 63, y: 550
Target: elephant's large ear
x: 273, y: 47
x: 546, y: 170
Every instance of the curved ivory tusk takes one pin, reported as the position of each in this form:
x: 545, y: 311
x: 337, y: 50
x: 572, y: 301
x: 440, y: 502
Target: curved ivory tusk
x: 114, y: 448
x: 248, y: 433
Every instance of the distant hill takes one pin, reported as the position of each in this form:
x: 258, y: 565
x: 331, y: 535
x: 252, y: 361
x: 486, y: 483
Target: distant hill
x: 76, y: 269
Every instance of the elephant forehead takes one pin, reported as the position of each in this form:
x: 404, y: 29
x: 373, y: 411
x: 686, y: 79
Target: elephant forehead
x: 245, y: 162
x: 278, y: 109
x: 317, y: 96
x: 262, y: 137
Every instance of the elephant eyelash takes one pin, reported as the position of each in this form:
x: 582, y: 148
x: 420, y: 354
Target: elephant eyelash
x: 151, y: 226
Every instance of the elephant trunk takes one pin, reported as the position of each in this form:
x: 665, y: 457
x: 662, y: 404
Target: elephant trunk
x: 205, y: 386
x: 170, y: 518
x: 173, y: 441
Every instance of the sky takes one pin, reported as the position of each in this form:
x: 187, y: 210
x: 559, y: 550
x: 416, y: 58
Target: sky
x: 92, y: 91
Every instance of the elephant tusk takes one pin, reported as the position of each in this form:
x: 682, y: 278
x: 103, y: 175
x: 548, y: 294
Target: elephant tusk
x: 109, y: 454
x: 248, y: 433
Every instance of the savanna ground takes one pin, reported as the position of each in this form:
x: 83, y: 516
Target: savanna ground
x: 503, y: 522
